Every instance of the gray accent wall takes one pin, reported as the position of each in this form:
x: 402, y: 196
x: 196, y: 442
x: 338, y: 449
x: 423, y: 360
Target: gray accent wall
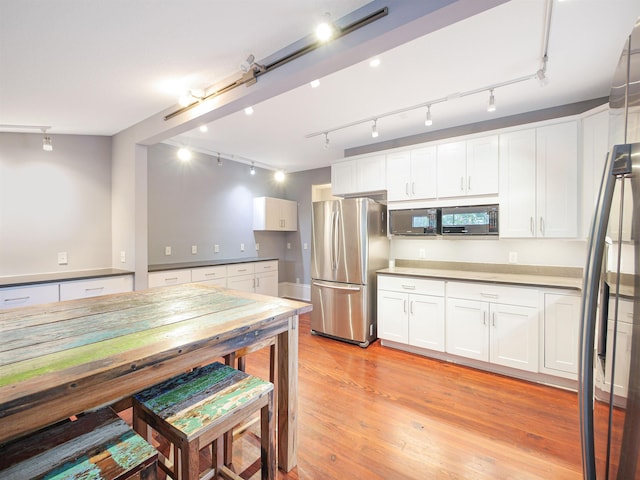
x: 200, y: 203
x: 53, y: 202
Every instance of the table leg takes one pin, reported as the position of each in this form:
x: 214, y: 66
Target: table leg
x: 288, y: 396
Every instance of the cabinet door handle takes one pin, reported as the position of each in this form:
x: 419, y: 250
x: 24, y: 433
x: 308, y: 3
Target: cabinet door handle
x: 533, y: 232
x: 17, y: 299
x: 484, y: 318
x: 462, y: 184
x: 413, y: 188
x: 541, y: 225
x: 409, y: 287
x: 258, y: 282
x: 489, y: 295
x: 411, y: 307
x: 469, y: 183
x: 93, y: 289
x: 493, y: 319
x: 405, y: 306
x: 172, y: 279
x: 406, y: 188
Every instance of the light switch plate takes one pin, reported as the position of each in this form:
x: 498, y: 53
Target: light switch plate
x: 62, y: 258
x: 242, y: 247
x: 216, y: 248
x: 194, y: 249
x: 513, y: 257
x: 167, y: 250
x: 123, y: 256
x: 257, y: 246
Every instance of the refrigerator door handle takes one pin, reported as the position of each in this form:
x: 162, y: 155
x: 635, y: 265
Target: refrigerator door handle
x: 352, y: 288
x: 334, y: 240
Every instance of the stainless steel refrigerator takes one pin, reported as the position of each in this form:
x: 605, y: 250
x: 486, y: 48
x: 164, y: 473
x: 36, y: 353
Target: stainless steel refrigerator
x: 609, y: 375
x: 349, y: 244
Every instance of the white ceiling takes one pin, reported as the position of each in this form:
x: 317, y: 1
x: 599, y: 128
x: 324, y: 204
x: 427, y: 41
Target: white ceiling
x: 98, y: 67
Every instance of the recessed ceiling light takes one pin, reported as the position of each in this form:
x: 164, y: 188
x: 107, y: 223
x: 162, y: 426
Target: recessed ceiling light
x: 203, y: 128
x: 375, y: 62
x: 248, y: 110
x: 315, y: 83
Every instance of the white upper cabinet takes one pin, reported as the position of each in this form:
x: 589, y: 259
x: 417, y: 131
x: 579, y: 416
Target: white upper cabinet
x: 482, y: 166
x: 275, y: 214
x: 366, y: 174
x: 595, y: 146
x: 452, y: 169
x: 539, y: 182
x: 468, y: 168
x: 411, y: 175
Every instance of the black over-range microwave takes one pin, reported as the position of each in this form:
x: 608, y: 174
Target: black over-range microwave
x: 476, y: 220
x: 415, y: 221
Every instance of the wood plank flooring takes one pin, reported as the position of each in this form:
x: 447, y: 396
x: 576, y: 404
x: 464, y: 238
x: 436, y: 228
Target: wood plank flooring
x: 378, y: 413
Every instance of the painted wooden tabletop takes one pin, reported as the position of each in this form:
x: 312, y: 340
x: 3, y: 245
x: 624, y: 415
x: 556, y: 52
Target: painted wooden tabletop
x: 62, y: 358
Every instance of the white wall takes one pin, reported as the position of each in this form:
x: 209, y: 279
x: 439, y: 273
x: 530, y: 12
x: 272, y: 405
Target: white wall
x: 566, y: 253
x: 52, y: 202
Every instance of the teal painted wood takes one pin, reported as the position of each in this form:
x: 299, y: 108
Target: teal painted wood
x: 128, y: 319
x: 99, y: 445
x: 199, y: 399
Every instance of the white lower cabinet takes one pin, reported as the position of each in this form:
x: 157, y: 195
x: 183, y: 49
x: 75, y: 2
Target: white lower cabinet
x: 216, y: 276
x: 480, y: 326
x: 561, y: 334
x: 25, y: 296
x: 619, y: 373
x: 256, y: 277
x: 411, y: 311
x: 165, y: 278
x: 95, y: 287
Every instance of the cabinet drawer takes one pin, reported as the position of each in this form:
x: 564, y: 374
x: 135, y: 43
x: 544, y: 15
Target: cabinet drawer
x: 208, y: 273
x: 95, y: 287
x: 240, y: 269
x: 169, y: 277
x: 270, y: 266
x: 486, y: 292
x: 411, y: 285
x: 13, y: 297
x: 625, y: 310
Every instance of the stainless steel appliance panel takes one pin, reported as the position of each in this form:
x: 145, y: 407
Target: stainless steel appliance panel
x: 609, y: 374
x: 343, y: 311
x: 339, y: 247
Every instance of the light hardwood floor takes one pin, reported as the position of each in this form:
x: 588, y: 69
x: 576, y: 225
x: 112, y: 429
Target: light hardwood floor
x: 378, y: 413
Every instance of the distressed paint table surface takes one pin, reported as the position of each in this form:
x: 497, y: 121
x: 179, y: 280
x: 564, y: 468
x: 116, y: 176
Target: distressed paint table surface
x: 60, y: 359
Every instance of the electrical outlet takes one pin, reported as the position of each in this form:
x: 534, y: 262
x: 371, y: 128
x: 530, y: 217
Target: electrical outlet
x: 62, y: 258
x: 123, y: 256
x: 305, y: 246
x: 257, y: 246
x: 513, y: 257
x: 288, y: 245
x: 216, y: 248
x: 167, y: 250
x: 194, y: 249
x: 242, y: 247
x: 422, y: 253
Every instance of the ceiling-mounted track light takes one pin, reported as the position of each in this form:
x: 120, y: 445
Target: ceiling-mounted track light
x: 184, y: 154
x: 47, y: 145
x: 325, y: 29
x: 492, y: 102
x: 279, y: 176
x: 251, y: 75
x: 252, y: 170
x: 326, y: 140
x: 248, y: 110
x: 428, y: 121
x: 374, y: 129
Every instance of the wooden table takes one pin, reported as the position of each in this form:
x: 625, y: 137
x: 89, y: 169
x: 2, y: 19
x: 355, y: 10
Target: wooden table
x: 60, y: 359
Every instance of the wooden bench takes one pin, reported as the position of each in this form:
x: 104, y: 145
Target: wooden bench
x: 97, y: 445
x: 195, y: 409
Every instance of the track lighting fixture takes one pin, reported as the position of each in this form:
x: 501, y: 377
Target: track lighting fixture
x: 315, y: 83
x: 47, y: 145
x: 248, y: 110
x: 184, y: 154
x: 326, y: 140
x: 374, y: 129
x: 219, y: 160
x: 375, y: 62
x: 428, y: 121
x: 279, y: 176
x: 204, y: 128
x: 252, y: 170
x: 325, y: 29
x: 250, y: 70
x: 492, y: 102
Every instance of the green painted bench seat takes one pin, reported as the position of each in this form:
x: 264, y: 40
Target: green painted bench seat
x: 194, y: 409
x: 98, y: 445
